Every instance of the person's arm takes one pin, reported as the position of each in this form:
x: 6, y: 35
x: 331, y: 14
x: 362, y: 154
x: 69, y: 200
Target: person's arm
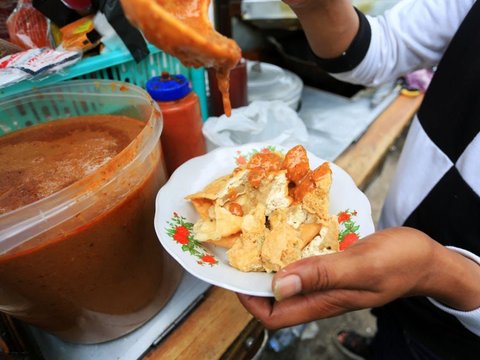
x: 330, y: 25
x: 384, y: 266
x: 412, y: 35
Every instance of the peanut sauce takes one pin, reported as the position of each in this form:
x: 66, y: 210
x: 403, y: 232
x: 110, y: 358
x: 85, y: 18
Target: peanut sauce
x: 260, y: 164
x: 183, y: 29
x: 232, y: 194
x: 223, y: 82
x: 296, y: 163
x: 235, y: 209
x: 101, y: 273
x: 302, y: 179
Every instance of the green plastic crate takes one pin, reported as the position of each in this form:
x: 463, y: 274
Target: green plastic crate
x: 119, y: 65
x: 73, y: 98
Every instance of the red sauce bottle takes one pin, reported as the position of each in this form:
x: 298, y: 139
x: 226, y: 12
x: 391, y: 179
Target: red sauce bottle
x: 182, y: 137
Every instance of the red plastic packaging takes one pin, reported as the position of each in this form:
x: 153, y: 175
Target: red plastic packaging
x: 28, y: 27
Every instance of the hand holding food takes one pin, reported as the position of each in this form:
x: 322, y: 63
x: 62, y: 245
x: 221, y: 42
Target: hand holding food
x: 183, y: 29
x: 383, y: 266
x: 270, y: 212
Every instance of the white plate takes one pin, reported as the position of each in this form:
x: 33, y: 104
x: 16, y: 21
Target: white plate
x: 208, y: 262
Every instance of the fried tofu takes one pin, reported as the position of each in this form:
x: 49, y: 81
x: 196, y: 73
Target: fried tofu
x: 281, y: 247
x: 245, y: 254
x: 269, y: 213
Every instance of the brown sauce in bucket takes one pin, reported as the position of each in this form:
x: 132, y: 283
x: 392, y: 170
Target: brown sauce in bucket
x: 102, y: 272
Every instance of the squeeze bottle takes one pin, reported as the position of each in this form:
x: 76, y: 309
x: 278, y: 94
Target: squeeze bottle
x: 182, y: 137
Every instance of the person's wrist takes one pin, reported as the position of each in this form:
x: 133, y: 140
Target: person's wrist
x: 453, y: 280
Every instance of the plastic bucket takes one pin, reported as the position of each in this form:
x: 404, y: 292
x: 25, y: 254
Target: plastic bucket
x: 84, y: 263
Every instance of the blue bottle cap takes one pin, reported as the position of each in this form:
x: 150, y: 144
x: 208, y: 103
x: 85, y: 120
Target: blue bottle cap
x: 168, y: 87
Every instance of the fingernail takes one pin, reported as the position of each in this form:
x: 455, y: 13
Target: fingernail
x: 287, y: 286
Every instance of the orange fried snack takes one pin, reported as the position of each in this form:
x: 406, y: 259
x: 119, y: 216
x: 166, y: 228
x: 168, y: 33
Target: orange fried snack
x: 182, y: 29
x: 270, y: 212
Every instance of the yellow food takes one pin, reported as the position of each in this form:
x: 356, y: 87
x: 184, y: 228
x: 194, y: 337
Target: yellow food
x: 269, y: 212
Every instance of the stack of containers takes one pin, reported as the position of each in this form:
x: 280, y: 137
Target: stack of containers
x: 269, y: 82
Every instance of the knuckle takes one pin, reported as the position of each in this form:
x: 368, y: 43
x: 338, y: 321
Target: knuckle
x: 268, y: 322
x: 320, y: 277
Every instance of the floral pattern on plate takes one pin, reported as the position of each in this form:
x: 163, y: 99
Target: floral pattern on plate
x: 241, y: 158
x: 180, y: 230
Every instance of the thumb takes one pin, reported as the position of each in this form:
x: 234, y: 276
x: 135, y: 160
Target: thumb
x: 316, y: 273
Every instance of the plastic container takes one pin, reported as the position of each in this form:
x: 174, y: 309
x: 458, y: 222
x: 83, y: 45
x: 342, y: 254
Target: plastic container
x: 182, y: 137
x: 269, y: 82
x: 84, y: 263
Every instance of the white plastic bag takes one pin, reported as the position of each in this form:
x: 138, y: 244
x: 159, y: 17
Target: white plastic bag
x: 261, y: 121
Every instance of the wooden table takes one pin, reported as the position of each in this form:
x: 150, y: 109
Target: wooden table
x: 219, y: 326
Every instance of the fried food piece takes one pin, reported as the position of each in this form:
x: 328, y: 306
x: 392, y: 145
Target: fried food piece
x: 212, y: 189
x: 245, y: 253
x: 260, y: 165
x: 283, y: 241
x: 273, y: 192
x: 296, y: 163
x: 317, y: 200
x: 326, y: 242
x: 269, y: 213
x: 223, y: 223
x: 203, y: 200
x: 308, y: 233
x: 281, y: 247
x: 224, y: 189
x: 226, y: 241
x: 289, y: 236
x: 183, y: 29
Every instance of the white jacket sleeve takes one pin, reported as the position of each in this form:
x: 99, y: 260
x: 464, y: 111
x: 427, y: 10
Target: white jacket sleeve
x: 411, y: 35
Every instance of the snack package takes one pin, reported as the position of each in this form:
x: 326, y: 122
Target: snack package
x: 34, y: 63
x: 80, y: 35
x: 269, y: 212
x: 27, y: 27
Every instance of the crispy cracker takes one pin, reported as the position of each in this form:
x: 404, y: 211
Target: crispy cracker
x: 273, y: 230
x: 226, y: 241
x: 281, y: 247
x: 210, y: 191
x: 245, y: 252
